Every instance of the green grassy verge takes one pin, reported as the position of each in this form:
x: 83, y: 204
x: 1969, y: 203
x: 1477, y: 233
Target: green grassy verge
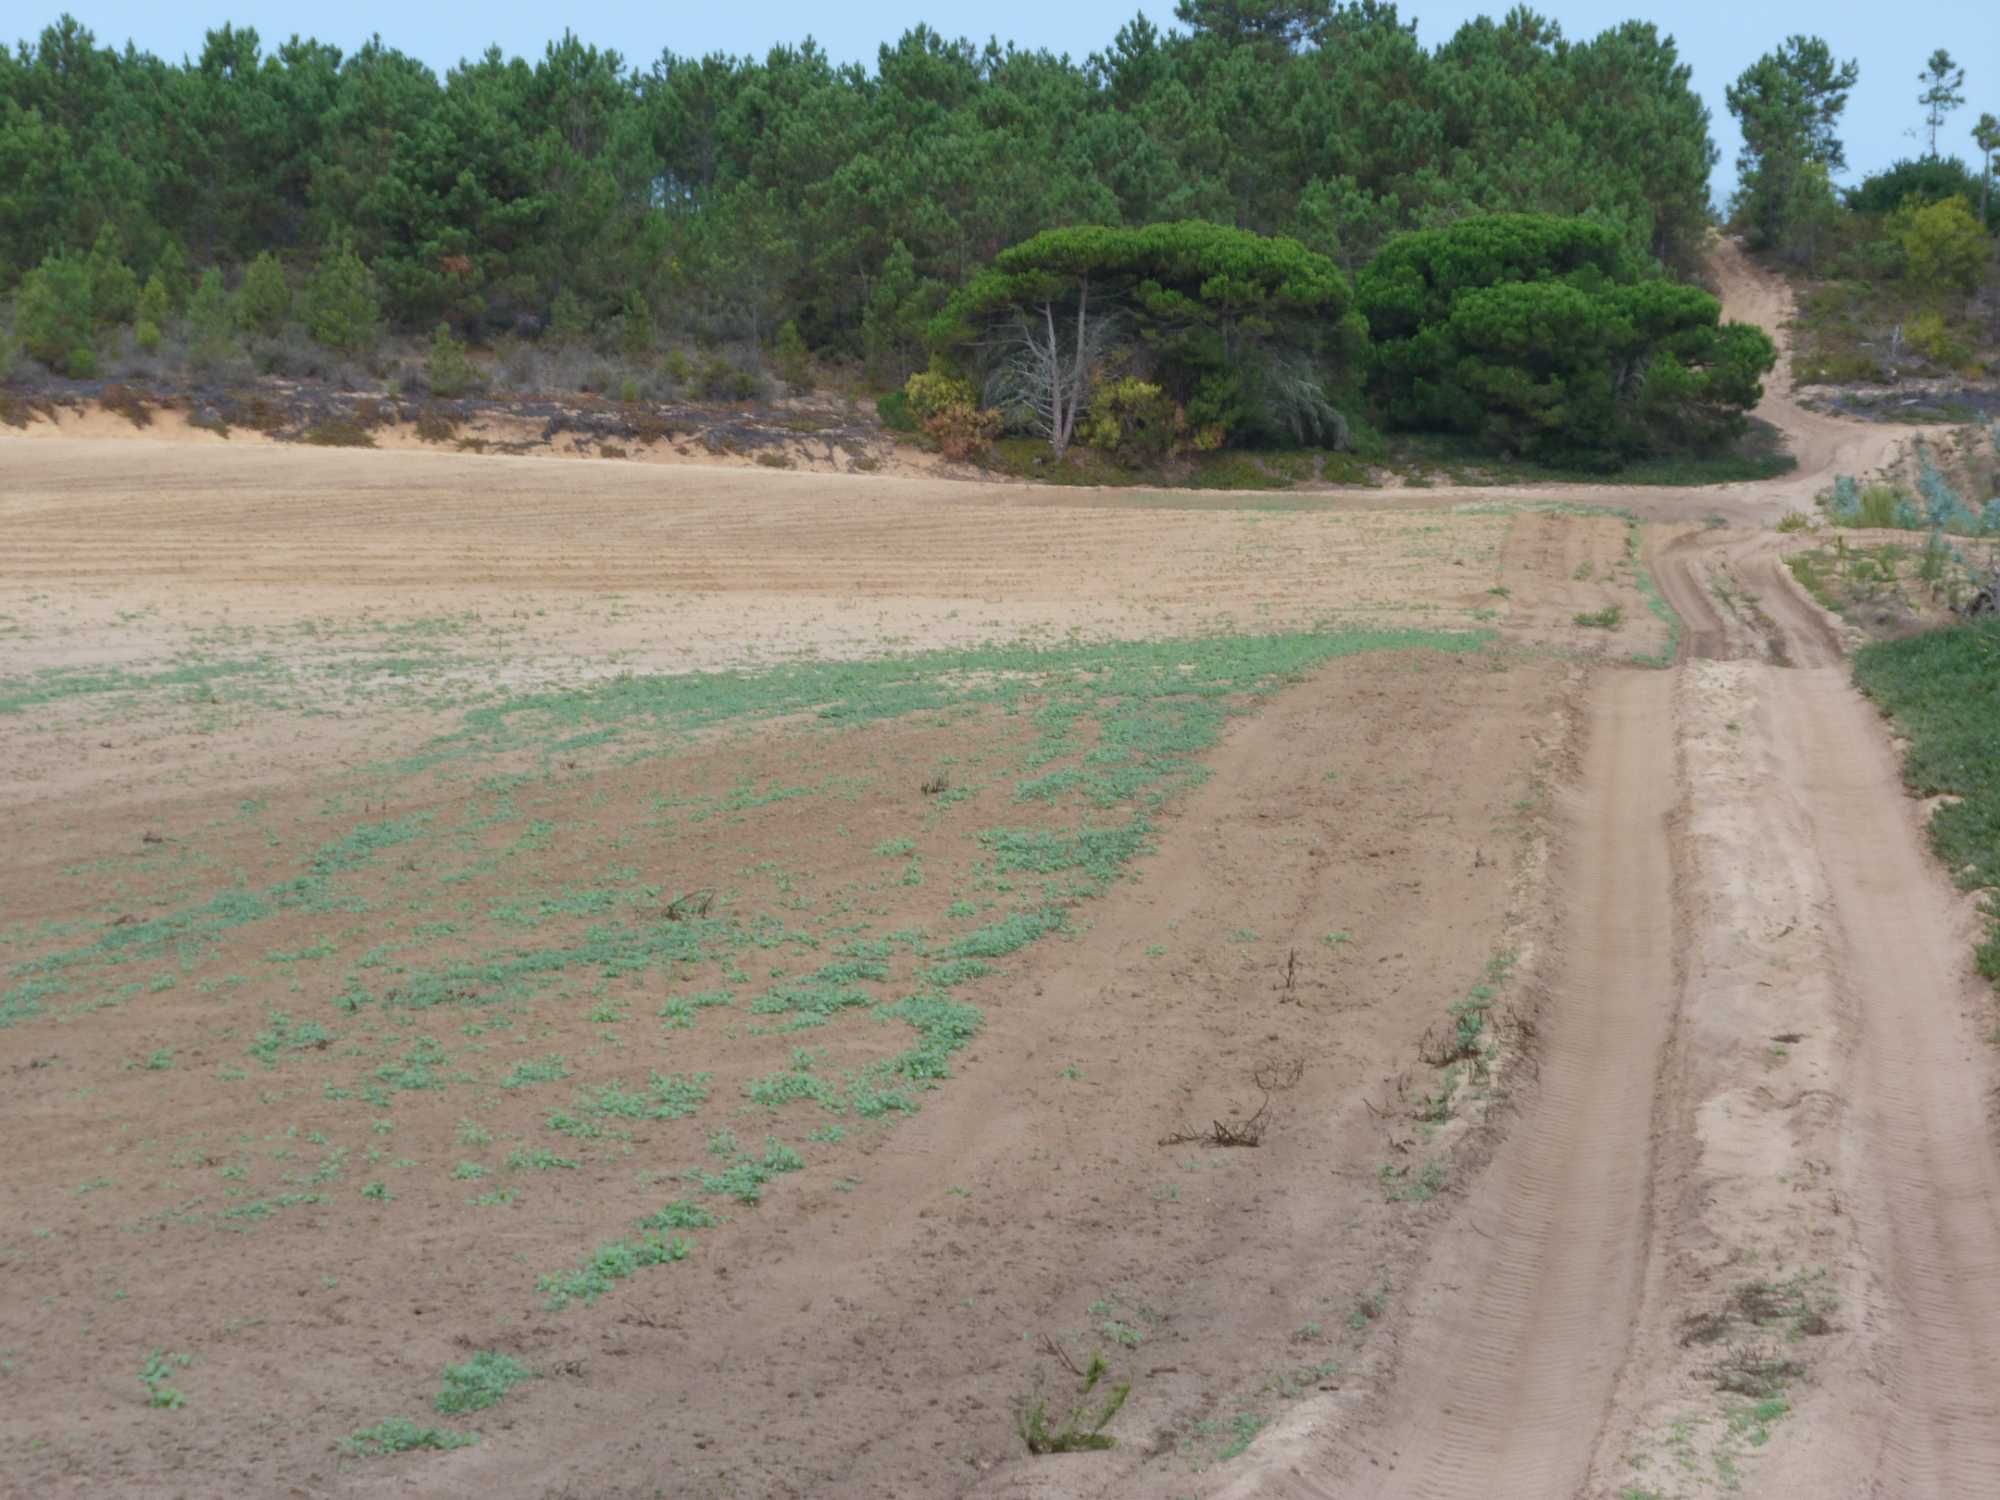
x: 1656, y: 602
x: 1943, y: 688
x: 1437, y: 459
x: 1420, y: 459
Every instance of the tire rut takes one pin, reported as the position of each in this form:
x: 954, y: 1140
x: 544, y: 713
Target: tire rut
x: 1912, y: 1406
x: 1521, y: 1328
x: 1926, y: 1183
x: 1737, y: 602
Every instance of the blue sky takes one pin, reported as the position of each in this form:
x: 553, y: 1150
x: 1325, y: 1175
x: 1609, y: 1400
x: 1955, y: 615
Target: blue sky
x: 1891, y: 41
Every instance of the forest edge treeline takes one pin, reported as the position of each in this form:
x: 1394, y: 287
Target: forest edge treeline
x: 761, y: 214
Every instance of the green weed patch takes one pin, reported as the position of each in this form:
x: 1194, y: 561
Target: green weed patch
x: 480, y: 1382
x: 1943, y: 689
x: 401, y: 1435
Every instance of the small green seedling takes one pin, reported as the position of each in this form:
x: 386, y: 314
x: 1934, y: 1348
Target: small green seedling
x: 156, y: 1373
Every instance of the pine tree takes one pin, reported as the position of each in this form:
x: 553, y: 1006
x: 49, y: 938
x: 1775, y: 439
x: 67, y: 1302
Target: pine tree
x: 114, y: 290
x: 53, y: 315
x: 341, y: 307
x: 264, y: 301
x: 1986, y: 136
x: 1944, y: 82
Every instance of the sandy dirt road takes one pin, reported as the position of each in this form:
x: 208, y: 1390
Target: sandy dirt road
x: 1816, y: 914
x: 1784, y: 1059
x: 1514, y: 1346
x: 1756, y: 1177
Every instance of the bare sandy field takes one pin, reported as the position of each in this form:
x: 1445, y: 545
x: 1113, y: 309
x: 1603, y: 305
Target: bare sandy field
x: 584, y: 979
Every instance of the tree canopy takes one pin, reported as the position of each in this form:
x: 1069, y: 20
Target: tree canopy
x: 1547, y: 338
x: 738, y: 194
x: 1250, y: 335
x: 1789, y: 103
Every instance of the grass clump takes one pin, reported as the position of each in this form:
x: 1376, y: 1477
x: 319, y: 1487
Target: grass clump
x: 400, y: 1435
x: 1608, y: 618
x: 671, y: 1096
x: 744, y: 1178
x: 550, y: 1069
x: 942, y: 1026
x: 1009, y: 935
x: 682, y: 1213
x: 282, y: 1034
x: 522, y: 1159
x: 480, y: 1382
x: 792, y: 1085
x: 608, y: 1264
x: 1081, y: 1428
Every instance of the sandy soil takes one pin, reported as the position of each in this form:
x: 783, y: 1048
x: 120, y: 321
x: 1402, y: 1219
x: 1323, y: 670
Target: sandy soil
x: 1711, y: 1205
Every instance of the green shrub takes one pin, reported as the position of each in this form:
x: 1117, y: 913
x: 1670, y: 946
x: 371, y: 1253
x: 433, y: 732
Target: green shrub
x: 114, y: 290
x: 1253, y: 334
x: 720, y: 380
x: 1939, y: 687
x: 1947, y: 249
x: 1838, y: 369
x: 569, y: 319
x: 154, y: 305
x: 211, y: 322
x: 341, y: 309
x: 1878, y: 508
x: 52, y: 316
x: 961, y: 431
x: 1132, y: 419
x: 1930, y: 337
x: 1544, y: 337
x: 635, y: 326
x: 264, y: 301
x: 929, y: 393
x: 794, y: 364
x: 401, y: 1435
x: 170, y: 269
x: 947, y: 408
x: 1920, y: 180
x: 894, y: 410
x: 209, y: 313
x: 448, y: 371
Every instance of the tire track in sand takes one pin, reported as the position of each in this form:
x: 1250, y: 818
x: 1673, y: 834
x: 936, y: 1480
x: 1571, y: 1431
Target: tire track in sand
x: 1902, y: 1208
x: 1519, y: 1328
x: 1923, y: 1175
x: 1926, y: 1183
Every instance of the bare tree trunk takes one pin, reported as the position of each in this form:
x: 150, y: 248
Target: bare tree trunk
x: 1045, y: 382
x: 1082, y: 368
x: 1058, y: 429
